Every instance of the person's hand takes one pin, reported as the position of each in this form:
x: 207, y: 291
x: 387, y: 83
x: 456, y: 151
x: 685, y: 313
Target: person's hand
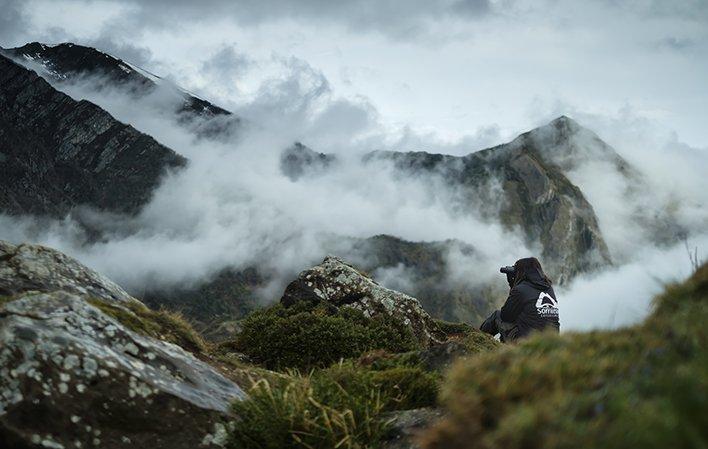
x: 510, y: 279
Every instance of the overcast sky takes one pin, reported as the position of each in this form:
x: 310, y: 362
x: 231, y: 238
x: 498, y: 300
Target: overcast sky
x: 480, y: 70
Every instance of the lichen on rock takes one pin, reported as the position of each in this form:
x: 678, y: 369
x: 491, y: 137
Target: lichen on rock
x: 341, y: 285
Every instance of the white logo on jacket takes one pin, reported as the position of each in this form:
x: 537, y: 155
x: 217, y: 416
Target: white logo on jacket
x: 546, y: 305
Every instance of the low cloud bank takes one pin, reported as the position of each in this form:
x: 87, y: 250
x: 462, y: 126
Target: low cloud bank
x: 623, y: 295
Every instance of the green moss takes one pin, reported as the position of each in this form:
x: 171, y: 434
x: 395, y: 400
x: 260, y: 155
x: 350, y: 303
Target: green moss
x: 454, y: 329
x: 305, y: 336
x: 644, y: 386
x: 162, y: 324
x: 477, y: 341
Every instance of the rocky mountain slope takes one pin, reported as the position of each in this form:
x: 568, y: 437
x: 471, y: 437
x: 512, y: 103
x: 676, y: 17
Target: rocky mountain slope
x: 74, y: 375
x: 57, y: 153
x: 523, y: 183
x: 68, y: 61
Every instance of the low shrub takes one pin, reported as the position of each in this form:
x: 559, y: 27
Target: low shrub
x: 305, y: 336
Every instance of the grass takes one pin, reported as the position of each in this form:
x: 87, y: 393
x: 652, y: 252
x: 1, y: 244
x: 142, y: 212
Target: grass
x: 644, y: 386
x: 340, y: 406
x: 162, y: 324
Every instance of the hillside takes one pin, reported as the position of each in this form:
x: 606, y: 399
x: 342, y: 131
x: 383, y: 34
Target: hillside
x: 76, y: 347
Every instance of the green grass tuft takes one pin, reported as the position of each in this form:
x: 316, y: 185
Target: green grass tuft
x: 162, y: 324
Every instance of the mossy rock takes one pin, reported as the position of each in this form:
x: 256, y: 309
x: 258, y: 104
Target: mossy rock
x: 644, y: 386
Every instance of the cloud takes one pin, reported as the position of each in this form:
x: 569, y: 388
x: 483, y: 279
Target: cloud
x: 13, y: 20
x: 388, y: 17
x: 675, y: 43
x: 623, y: 296
x: 232, y: 207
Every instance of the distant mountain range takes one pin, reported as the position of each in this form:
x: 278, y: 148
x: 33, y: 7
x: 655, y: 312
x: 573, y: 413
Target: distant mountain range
x: 57, y: 154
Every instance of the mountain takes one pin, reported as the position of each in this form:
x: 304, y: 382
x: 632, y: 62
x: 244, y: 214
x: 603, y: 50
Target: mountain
x: 523, y: 183
x: 57, y: 153
x: 68, y: 61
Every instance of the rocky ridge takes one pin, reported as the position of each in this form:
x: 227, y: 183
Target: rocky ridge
x: 68, y: 61
x: 57, y: 153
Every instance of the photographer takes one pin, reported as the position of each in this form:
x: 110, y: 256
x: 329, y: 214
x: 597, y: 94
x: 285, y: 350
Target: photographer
x: 531, y: 305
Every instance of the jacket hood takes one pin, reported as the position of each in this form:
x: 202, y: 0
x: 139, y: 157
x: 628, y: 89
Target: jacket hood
x: 534, y: 277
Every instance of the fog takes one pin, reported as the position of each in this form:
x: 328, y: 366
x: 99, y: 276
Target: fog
x: 232, y: 206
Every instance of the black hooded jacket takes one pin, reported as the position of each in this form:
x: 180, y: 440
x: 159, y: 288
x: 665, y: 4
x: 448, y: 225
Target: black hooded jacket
x: 531, y: 305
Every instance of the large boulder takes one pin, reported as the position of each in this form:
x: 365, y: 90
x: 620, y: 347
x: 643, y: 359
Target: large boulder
x: 38, y: 268
x: 342, y: 285
x: 72, y: 375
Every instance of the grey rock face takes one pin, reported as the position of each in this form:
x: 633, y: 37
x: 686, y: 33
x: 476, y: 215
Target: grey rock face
x: 69, y: 374
x: 59, y: 153
x: 37, y: 268
x: 73, y: 376
x: 342, y: 285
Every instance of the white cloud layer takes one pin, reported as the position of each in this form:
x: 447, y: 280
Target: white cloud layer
x: 349, y: 77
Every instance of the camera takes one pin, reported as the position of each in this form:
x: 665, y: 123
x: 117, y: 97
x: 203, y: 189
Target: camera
x: 510, y: 270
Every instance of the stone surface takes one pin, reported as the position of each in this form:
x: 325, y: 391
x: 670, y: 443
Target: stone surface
x: 406, y: 425
x: 70, y: 376
x: 58, y: 153
x: 38, y: 268
x: 342, y: 285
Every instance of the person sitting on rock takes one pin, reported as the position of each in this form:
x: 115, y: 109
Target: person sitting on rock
x: 531, y: 305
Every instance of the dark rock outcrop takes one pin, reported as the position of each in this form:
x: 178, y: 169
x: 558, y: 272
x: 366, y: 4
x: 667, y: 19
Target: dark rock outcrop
x: 73, y: 376
x: 341, y: 285
x: 299, y: 160
x: 57, y: 153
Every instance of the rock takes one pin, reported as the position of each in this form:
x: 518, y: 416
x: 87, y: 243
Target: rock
x: 72, y: 376
x: 406, y: 425
x: 59, y: 153
x: 299, y: 160
x: 341, y: 285
x: 37, y: 268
